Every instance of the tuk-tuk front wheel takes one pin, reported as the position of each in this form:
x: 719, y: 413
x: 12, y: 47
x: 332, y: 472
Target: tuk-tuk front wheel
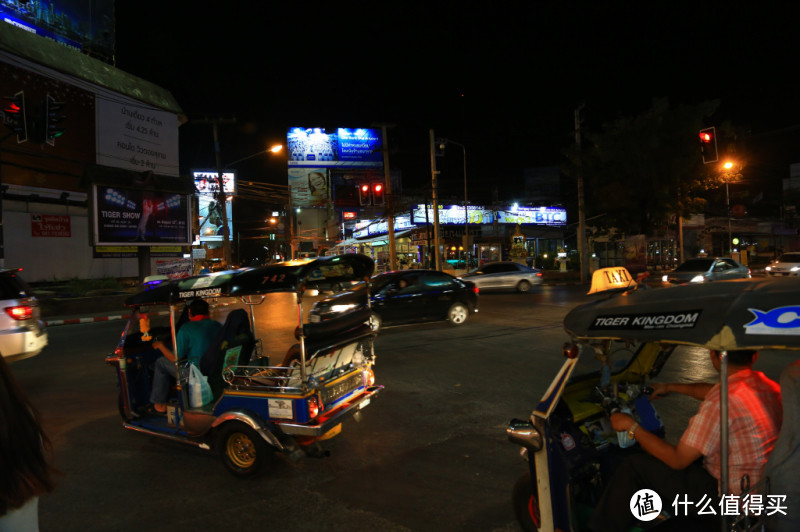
x: 526, y: 504
x: 242, y: 449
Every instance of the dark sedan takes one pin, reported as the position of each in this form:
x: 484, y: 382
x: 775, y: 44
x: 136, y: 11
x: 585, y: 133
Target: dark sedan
x: 406, y: 296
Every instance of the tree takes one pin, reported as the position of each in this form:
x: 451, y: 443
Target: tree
x: 640, y: 171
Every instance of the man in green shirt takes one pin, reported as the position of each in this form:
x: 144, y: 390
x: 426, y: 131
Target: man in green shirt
x: 192, y: 340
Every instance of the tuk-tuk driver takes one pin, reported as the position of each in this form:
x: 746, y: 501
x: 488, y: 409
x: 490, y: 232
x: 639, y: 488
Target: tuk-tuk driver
x: 754, y: 420
x: 192, y: 340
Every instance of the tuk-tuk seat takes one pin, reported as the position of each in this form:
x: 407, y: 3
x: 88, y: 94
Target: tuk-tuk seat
x: 233, y: 345
x: 780, y: 472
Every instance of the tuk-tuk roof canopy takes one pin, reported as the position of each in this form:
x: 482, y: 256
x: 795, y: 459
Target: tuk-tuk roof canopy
x: 290, y: 276
x: 724, y: 315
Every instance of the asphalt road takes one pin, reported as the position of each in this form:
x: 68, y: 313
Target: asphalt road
x: 429, y: 454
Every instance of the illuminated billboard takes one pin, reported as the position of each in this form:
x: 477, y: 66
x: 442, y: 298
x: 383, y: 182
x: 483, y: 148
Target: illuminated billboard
x: 75, y: 23
x: 308, y: 186
x: 347, y: 147
x: 208, y: 204
x: 135, y: 217
x: 454, y: 214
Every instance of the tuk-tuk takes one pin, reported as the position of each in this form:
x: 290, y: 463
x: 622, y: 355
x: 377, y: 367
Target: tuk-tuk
x: 258, y: 403
x: 628, y: 333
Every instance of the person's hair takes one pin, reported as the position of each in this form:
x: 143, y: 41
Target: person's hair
x: 24, y: 448
x: 198, y: 307
x: 741, y: 357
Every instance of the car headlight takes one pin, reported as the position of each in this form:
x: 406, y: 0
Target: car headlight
x: 342, y: 307
x: 795, y: 268
x: 664, y: 278
x: 697, y: 279
x: 768, y: 268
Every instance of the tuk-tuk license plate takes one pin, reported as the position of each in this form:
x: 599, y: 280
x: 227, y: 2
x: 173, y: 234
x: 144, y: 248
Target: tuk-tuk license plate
x: 364, y: 403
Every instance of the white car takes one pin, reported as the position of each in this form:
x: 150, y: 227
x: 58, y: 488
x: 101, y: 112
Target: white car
x: 787, y: 264
x: 505, y: 274
x: 22, y: 333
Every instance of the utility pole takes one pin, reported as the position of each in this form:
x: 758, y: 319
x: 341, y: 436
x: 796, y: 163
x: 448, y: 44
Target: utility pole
x: 434, y: 172
x: 222, y: 197
x: 582, y: 245
x: 389, y: 201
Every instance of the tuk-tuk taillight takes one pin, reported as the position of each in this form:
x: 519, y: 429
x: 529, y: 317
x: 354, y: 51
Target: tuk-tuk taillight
x: 570, y: 350
x: 369, y: 377
x: 313, y: 407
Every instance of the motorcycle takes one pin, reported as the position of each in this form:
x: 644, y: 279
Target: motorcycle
x: 627, y: 335
x: 252, y: 408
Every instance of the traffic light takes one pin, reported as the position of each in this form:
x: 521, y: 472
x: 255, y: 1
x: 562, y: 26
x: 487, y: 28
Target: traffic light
x: 14, y: 115
x: 377, y: 194
x: 53, y: 117
x: 708, y: 145
x: 364, y: 194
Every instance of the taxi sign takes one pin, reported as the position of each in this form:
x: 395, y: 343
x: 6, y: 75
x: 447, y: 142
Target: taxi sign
x: 607, y: 279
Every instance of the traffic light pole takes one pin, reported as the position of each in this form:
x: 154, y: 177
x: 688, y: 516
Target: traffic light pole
x: 434, y: 172
x: 389, y: 202
x: 582, y: 245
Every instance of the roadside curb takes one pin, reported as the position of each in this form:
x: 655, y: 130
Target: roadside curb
x: 93, y: 319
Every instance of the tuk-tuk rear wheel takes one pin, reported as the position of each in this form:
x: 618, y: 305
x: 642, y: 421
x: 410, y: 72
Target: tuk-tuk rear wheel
x: 242, y: 449
x: 526, y: 504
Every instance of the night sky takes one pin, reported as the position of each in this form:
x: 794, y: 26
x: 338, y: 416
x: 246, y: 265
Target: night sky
x: 502, y: 78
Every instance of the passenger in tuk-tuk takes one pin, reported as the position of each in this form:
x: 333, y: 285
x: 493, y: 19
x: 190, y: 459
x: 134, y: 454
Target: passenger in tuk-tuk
x: 754, y: 420
x: 192, y: 340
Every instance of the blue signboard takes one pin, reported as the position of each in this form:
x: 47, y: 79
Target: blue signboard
x: 348, y: 147
x: 454, y: 214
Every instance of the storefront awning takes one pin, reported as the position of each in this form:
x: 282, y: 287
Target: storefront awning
x: 383, y: 240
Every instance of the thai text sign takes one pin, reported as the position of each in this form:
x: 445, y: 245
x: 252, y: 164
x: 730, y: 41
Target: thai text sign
x: 51, y: 225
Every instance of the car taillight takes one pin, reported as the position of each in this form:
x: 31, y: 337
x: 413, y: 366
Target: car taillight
x: 313, y: 407
x: 475, y: 289
x: 369, y: 377
x: 20, y: 312
x: 538, y: 274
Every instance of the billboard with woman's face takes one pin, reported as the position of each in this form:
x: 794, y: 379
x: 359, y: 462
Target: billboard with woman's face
x: 308, y: 186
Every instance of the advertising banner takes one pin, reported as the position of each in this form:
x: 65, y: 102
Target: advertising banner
x: 454, y: 214
x: 208, y: 202
x: 51, y: 225
x: 125, y: 216
x: 135, y: 137
x: 308, y: 186
x: 349, y: 147
x: 210, y: 214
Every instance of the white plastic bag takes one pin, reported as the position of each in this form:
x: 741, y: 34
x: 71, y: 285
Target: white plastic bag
x: 199, y: 389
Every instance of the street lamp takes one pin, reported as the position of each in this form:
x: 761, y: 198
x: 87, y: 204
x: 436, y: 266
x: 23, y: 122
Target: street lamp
x: 442, y: 143
x: 222, y: 197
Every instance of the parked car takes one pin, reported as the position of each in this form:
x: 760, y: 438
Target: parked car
x: 405, y: 296
x: 505, y: 274
x: 701, y: 270
x: 22, y: 333
x: 787, y: 264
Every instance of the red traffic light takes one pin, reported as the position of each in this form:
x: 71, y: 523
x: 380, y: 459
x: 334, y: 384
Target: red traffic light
x: 364, y: 188
x: 706, y: 136
x: 377, y: 194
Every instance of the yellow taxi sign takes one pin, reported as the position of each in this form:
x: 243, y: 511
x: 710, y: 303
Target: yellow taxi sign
x: 616, y: 278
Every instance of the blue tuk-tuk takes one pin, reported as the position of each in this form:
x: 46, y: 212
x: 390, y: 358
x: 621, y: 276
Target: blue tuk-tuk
x: 625, y: 336
x: 259, y: 403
